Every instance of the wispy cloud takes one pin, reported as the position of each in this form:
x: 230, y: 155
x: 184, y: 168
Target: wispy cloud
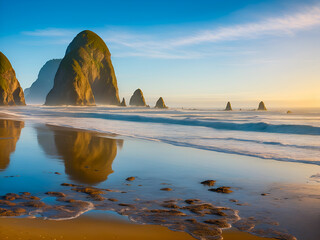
x: 272, y: 26
x: 129, y: 43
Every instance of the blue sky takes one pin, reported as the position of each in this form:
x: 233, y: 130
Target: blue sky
x: 193, y: 53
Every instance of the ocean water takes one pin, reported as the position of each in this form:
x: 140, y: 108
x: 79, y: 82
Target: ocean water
x: 274, y: 134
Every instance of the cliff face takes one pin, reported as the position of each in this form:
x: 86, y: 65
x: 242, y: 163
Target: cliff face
x: 40, y: 88
x: 85, y: 75
x: 11, y: 92
x: 160, y: 103
x: 137, y: 99
x: 262, y: 106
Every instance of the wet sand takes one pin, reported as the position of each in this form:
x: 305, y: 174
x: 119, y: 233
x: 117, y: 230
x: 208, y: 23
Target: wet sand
x: 88, y: 227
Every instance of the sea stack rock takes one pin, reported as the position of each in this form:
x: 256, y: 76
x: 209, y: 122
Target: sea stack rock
x: 160, y: 103
x: 228, y: 107
x: 11, y: 92
x: 262, y: 106
x: 40, y: 88
x: 85, y: 75
x: 137, y: 99
x: 123, y: 103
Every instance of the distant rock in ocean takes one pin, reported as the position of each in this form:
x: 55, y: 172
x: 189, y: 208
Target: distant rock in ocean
x: 85, y: 75
x: 262, y: 106
x: 137, y: 99
x: 11, y: 92
x: 160, y: 103
x: 40, y: 88
x: 228, y: 107
x: 123, y: 103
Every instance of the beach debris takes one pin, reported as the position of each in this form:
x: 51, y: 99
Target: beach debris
x: 209, y: 183
x: 222, y: 223
x: 11, y: 196
x: 68, y: 185
x: 14, y: 212
x: 167, y: 212
x: 192, y: 201
x: 130, y: 179
x: 56, y: 194
x: 113, y: 199
x: 221, y: 189
x: 170, y: 205
x: 166, y: 189
x: 264, y: 194
x: 34, y: 204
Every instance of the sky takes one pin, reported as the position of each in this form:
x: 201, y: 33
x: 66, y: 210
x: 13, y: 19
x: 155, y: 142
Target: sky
x: 192, y: 53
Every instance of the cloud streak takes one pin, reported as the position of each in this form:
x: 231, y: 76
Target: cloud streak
x: 272, y: 26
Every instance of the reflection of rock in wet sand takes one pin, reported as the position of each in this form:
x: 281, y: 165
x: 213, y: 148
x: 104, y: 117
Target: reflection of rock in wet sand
x: 9, y: 135
x: 87, y: 157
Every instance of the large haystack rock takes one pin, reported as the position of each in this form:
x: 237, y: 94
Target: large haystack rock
x: 228, y: 107
x: 11, y: 92
x: 160, y: 103
x: 85, y: 75
x: 137, y: 99
x: 262, y: 106
x: 39, y: 90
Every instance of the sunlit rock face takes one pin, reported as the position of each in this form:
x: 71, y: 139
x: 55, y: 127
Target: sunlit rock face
x: 11, y: 92
x: 160, y: 103
x: 262, y: 106
x: 39, y: 90
x: 137, y: 99
x: 87, y: 157
x: 9, y: 135
x: 85, y: 75
x: 228, y: 107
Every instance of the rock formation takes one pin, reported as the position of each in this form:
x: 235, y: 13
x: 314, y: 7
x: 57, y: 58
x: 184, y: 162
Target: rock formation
x: 9, y: 135
x: 262, y: 106
x: 85, y: 75
x: 10, y: 91
x: 123, y: 103
x: 228, y: 107
x: 40, y: 88
x: 160, y: 103
x: 137, y: 99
